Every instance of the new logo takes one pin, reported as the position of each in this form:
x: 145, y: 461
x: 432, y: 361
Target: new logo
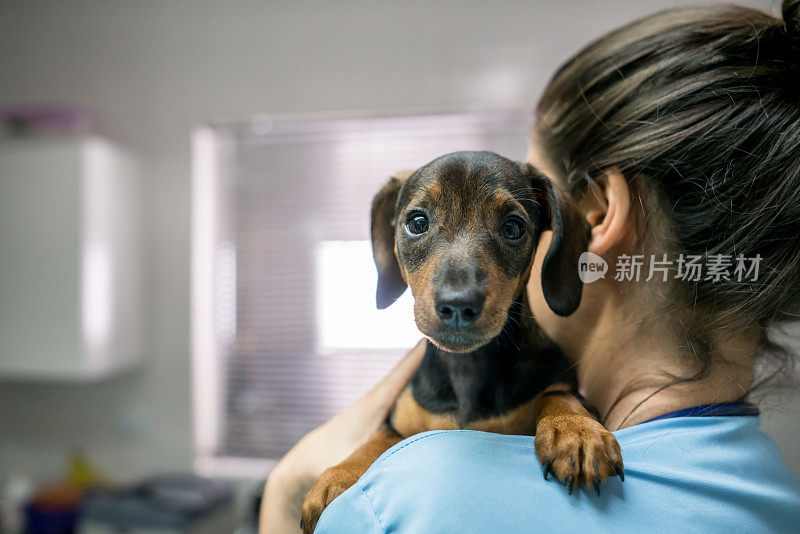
x: 591, y: 267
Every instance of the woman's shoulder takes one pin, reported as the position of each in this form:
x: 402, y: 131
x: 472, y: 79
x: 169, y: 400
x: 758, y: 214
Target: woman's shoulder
x: 687, y: 474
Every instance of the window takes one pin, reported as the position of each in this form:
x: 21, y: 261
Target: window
x: 285, y: 332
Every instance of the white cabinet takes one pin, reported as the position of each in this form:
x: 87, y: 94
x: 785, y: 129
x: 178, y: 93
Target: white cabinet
x: 70, y: 268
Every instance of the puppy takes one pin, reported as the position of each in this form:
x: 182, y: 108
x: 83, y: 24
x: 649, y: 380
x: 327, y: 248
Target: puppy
x: 461, y: 232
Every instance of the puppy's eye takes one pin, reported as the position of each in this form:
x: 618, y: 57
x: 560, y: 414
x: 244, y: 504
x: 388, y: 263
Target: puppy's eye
x: 417, y: 224
x: 513, y: 229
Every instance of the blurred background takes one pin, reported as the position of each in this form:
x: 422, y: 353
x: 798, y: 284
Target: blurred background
x: 185, y: 281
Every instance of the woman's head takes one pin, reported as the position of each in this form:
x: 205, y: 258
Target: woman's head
x: 699, y: 110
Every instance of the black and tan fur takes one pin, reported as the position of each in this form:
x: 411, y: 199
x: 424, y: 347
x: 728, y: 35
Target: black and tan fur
x: 491, y: 369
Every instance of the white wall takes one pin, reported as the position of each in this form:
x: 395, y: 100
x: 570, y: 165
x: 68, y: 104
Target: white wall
x: 154, y: 70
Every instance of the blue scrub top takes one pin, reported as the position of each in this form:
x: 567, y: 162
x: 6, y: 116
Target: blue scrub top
x: 682, y: 474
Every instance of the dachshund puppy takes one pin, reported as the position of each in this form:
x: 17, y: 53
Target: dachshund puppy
x: 461, y: 233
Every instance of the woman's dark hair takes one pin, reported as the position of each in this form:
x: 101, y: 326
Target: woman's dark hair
x: 700, y: 109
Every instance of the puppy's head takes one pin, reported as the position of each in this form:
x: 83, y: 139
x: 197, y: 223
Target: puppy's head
x: 461, y: 232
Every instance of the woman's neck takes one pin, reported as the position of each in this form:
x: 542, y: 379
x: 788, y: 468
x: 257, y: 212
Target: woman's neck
x: 619, y: 350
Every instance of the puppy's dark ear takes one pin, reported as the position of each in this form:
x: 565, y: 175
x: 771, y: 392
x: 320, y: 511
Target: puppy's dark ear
x: 561, y: 283
x: 390, y: 280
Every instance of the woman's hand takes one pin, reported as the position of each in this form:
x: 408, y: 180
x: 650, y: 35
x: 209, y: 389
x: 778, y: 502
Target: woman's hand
x: 329, y: 445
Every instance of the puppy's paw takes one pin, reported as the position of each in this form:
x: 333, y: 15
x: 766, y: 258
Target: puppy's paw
x: 332, y: 483
x: 578, y: 450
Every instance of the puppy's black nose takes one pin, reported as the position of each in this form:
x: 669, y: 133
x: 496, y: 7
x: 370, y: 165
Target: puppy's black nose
x: 458, y: 308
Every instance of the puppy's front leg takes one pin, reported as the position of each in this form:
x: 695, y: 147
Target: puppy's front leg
x: 571, y: 443
x: 337, y: 479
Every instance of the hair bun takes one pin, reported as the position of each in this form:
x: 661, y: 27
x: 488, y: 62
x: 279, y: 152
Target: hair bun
x: 791, y: 18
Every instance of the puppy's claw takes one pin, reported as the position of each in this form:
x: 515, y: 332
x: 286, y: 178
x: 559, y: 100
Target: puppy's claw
x: 547, y: 468
x: 596, y: 484
x: 577, y: 451
x: 620, y: 472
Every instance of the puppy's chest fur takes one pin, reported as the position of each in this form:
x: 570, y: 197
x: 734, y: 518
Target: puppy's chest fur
x: 493, y: 380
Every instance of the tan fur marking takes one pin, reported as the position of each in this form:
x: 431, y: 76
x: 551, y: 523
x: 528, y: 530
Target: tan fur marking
x: 409, y: 418
x: 499, y: 199
x: 521, y: 421
x: 337, y: 479
x: 434, y: 191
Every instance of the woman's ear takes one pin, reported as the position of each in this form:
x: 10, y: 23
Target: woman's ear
x: 608, y: 211
x: 390, y: 278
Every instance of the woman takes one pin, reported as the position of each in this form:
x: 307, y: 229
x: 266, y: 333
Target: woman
x: 678, y: 137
